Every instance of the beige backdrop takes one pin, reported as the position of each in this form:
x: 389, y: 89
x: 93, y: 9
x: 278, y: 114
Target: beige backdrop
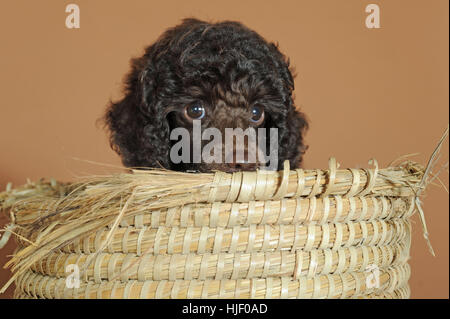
x: 368, y: 92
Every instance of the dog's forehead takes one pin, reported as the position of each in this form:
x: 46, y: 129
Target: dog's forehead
x: 237, y: 94
x: 233, y: 107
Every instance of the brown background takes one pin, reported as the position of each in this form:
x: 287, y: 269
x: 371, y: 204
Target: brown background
x: 368, y: 92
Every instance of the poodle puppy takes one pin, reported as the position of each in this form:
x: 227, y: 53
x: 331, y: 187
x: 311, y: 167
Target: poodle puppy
x: 222, y: 75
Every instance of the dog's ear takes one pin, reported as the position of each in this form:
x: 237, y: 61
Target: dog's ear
x: 147, y: 90
x: 139, y: 131
x: 295, y: 123
x: 283, y: 65
x: 291, y: 138
x: 156, y: 131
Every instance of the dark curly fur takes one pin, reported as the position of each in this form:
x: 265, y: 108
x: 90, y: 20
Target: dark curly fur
x: 226, y: 66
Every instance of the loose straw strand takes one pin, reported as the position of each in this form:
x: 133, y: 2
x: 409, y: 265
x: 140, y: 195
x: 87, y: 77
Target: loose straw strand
x: 422, y: 185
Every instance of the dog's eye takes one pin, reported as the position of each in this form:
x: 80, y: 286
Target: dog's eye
x: 257, y: 114
x: 194, y: 111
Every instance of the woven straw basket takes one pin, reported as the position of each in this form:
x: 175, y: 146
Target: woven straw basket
x: 334, y: 233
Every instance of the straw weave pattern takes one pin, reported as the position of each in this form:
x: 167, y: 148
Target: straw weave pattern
x: 291, y: 234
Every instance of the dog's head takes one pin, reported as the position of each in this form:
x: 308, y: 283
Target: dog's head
x: 201, y: 75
